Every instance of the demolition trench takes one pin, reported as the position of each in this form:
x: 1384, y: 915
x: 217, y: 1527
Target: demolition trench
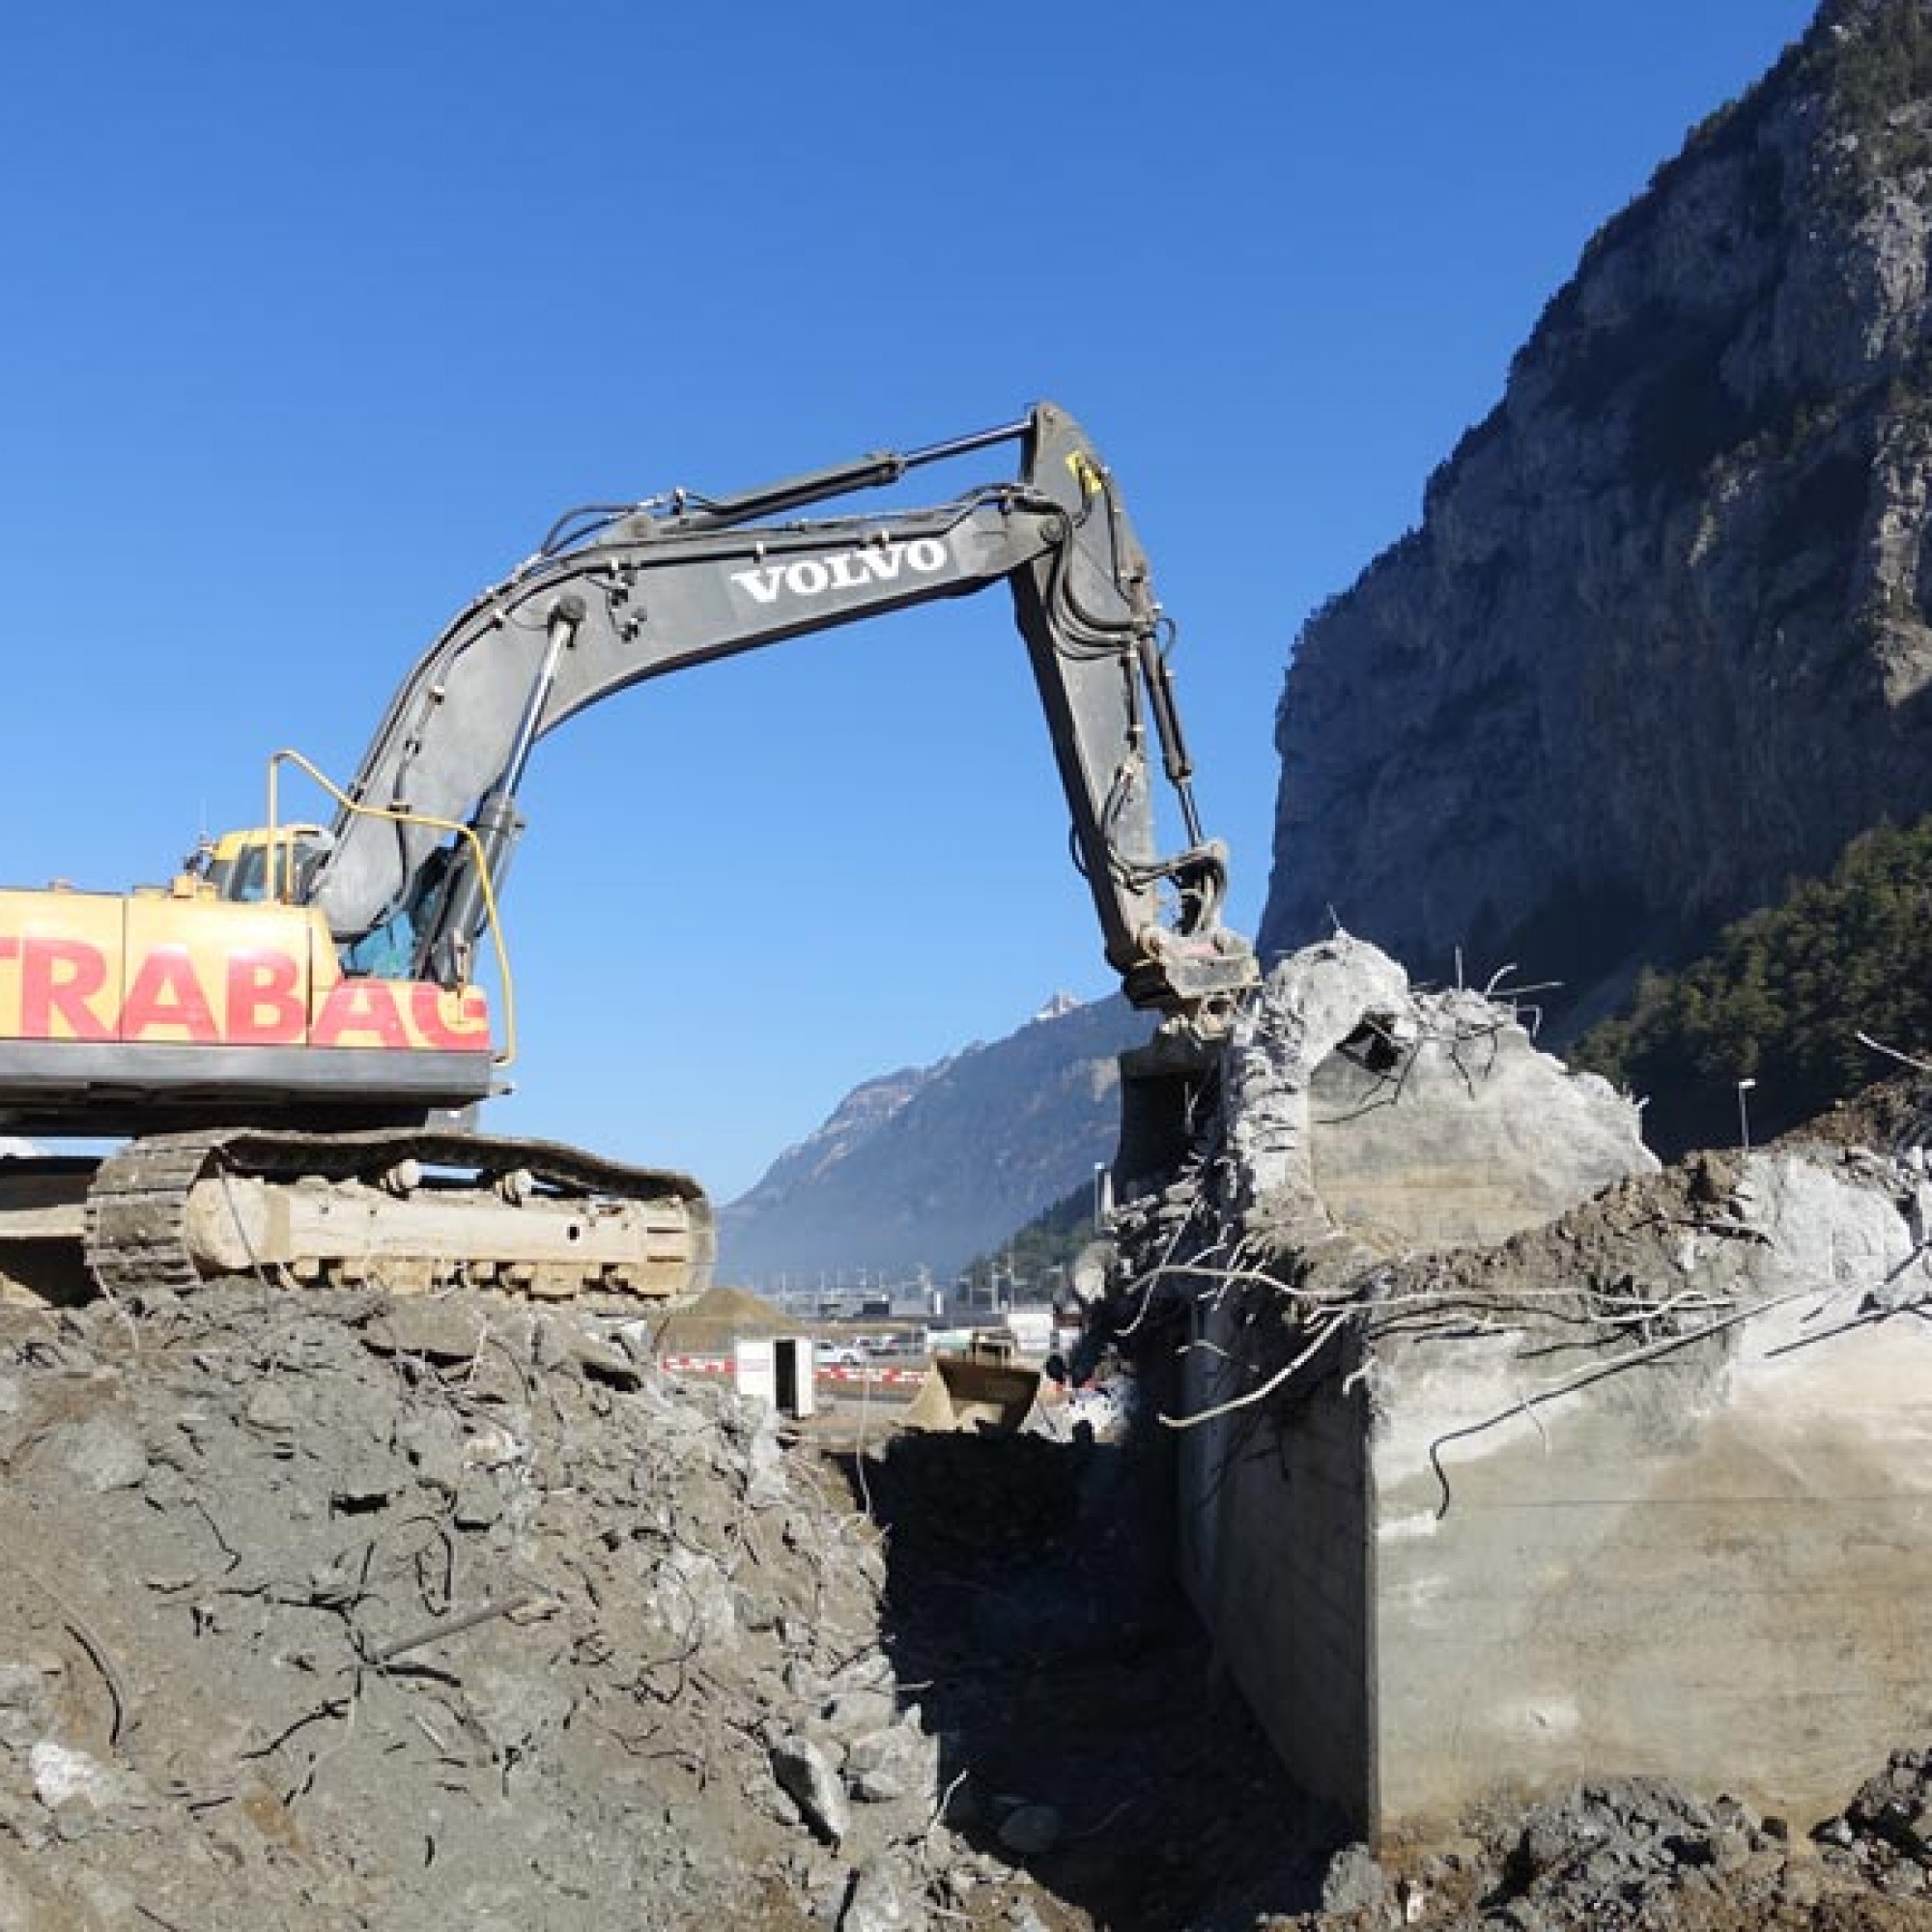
x: 1090, y: 1734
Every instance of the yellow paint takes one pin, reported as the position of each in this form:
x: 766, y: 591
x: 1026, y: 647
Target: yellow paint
x: 201, y: 972
x: 60, y: 957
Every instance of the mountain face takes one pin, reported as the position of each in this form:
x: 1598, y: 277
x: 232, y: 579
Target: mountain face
x: 928, y: 1167
x: 1661, y: 641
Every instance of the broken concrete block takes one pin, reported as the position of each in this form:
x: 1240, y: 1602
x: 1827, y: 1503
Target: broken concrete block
x: 30, y: 1693
x: 79, y: 1789
x: 878, y: 1904
x: 433, y: 1439
x: 891, y: 1764
x: 1354, y: 1883
x: 437, y: 1330
x: 695, y: 1600
x: 1356, y: 1106
x: 804, y: 1771
x: 478, y: 1501
x: 854, y: 1714
x: 104, y: 1455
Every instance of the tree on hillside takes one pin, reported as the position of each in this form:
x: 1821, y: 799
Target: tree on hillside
x: 1781, y: 998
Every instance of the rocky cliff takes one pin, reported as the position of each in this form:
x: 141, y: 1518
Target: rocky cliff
x: 928, y: 1167
x: 1660, y: 640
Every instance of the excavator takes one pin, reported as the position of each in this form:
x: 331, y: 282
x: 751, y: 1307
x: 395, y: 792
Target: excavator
x: 290, y: 1039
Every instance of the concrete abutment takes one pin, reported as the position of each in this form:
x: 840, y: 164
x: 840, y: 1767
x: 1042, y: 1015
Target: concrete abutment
x: 1587, y: 1469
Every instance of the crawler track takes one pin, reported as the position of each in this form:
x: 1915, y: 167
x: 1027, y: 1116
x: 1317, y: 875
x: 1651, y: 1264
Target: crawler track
x: 138, y: 1208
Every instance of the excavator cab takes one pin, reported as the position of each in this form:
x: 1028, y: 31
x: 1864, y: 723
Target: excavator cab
x: 261, y: 863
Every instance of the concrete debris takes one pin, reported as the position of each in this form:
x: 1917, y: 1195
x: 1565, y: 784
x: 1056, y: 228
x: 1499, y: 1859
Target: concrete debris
x: 317, y: 1613
x: 891, y: 1764
x: 320, y: 1611
x: 31, y: 1691
x: 431, y: 1328
x: 63, y: 1777
x: 1354, y: 1884
x: 879, y: 1904
x: 1640, y: 1854
x: 104, y: 1455
x: 1884, y: 1833
x: 854, y: 1714
x: 805, y: 1773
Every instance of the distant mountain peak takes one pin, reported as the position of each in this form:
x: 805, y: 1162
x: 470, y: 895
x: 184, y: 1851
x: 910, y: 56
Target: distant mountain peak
x: 1058, y: 1006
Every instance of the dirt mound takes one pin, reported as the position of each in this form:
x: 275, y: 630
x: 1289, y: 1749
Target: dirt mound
x: 318, y: 1611
x: 717, y: 1318
x: 1892, y: 1115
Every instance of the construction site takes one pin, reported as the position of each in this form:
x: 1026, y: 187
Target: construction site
x: 1451, y: 1487
x: 1491, y: 1528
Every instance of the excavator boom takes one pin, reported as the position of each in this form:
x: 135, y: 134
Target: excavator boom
x: 653, y: 589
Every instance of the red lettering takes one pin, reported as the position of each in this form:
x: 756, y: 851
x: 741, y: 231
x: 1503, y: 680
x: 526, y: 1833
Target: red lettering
x: 58, y: 979
x: 360, y: 1006
x: 472, y: 1031
x: 166, y: 995
x: 265, y: 1002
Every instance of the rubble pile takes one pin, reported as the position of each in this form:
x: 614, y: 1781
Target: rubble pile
x: 1885, y: 1834
x: 1639, y: 1855
x: 316, y: 1609
x: 322, y: 1608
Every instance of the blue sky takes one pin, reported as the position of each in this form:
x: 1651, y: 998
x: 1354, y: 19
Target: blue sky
x: 314, y: 318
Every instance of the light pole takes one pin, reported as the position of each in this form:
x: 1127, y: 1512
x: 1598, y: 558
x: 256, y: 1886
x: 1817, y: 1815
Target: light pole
x: 1054, y: 1277
x: 1099, y: 1197
x: 1744, y: 1114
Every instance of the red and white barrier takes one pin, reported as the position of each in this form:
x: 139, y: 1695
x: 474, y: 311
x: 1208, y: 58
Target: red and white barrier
x: 720, y: 1365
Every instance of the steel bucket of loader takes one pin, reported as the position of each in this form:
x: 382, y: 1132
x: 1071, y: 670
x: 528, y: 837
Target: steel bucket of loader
x: 983, y: 1392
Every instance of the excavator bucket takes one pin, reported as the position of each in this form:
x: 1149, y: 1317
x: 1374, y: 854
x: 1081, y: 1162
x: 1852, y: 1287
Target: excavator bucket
x: 983, y: 1392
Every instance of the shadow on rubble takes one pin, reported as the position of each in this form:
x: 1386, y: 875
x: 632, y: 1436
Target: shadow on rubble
x: 1086, y: 1733
x: 44, y: 1274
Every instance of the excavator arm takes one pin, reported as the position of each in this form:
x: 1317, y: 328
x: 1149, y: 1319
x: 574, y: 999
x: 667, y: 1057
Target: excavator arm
x: 617, y: 596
